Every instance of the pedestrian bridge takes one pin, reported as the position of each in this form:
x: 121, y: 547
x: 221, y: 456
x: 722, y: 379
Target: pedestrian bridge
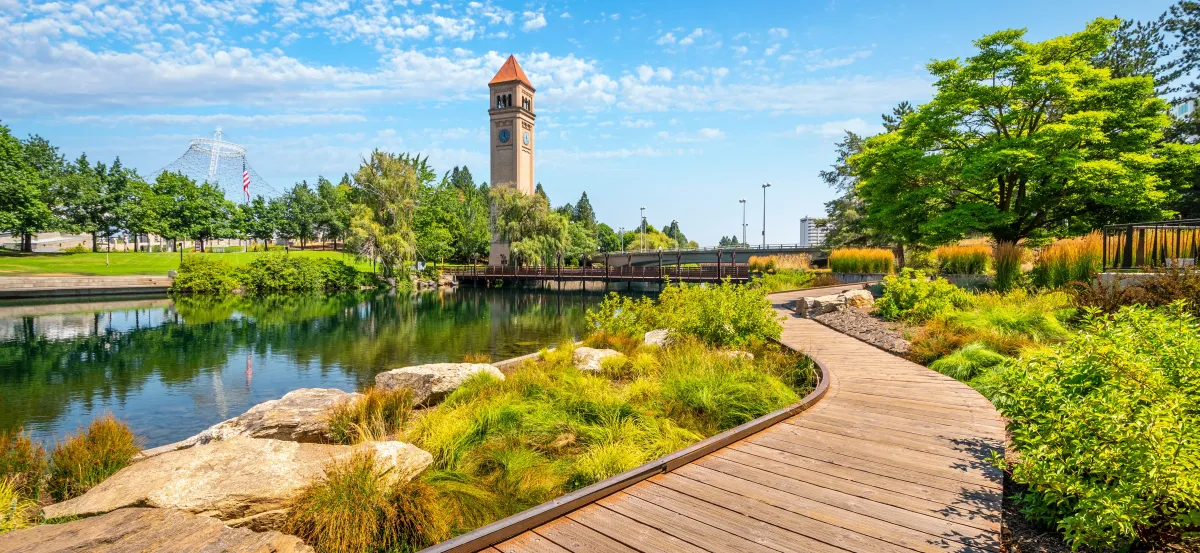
x: 722, y: 255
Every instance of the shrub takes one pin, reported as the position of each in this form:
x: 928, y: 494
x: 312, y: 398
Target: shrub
x: 963, y: 260
x: 378, y: 415
x: 784, y: 280
x: 200, y: 274
x: 1068, y: 260
x: 825, y: 279
x: 354, y: 508
x: 17, y: 510
x: 78, y: 248
x: 22, y: 464
x: 1008, y: 257
x: 87, y: 458
x: 911, y: 296
x: 921, y: 258
x: 621, y: 315
x: 1107, y: 429
x: 862, y: 260
x: 968, y: 362
x: 763, y: 264
x: 722, y: 315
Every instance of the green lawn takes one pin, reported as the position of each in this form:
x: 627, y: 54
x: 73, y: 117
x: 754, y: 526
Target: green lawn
x: 120, y: 263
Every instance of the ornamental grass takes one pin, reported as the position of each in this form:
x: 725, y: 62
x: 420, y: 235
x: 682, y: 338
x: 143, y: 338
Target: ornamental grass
x: 17, y: 510
x: 378, y: 415
x: 23, y: 464
x: 1068, y: 260
x: 763, y: 263
x: 794, y: 262
x: 963, y: 260
x: 87, y: 458
x: 862, y: 260
x: 1008, y: 257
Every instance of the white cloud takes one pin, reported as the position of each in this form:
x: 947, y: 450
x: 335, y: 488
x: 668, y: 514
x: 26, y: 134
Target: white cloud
x: 637, y: 123
x: 666, y: 39
x: 691, y: 38
x: 701, y: 135
x: 771, y: 50
x: 815, y: 61
x: 566, y: 15
x: 739, y: 51
x: 645, y: 73
x: 778, y: 33
x: 225, y: 120
x: 836, y: 128
x: 533, y: 21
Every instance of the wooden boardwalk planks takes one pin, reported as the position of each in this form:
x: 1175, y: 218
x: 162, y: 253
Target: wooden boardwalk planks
x: 894, y: 458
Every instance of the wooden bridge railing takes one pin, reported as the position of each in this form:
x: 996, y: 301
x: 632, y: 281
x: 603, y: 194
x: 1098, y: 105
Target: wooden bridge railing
x: 709, y: 273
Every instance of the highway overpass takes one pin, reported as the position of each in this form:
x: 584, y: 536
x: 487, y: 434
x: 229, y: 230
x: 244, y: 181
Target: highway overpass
x: 726, y: 254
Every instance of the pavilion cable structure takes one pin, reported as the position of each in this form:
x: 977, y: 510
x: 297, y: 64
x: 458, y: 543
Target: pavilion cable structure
x: 223, y: 164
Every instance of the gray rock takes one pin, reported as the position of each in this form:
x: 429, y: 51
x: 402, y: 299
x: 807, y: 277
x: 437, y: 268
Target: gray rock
x: 433, y: 382
x: 299, y: 416
x: 817, y: 305
x: 234, y: 479
x: 139, y: 530
x: 588, y: 359
x: 657, y: 338
x: 738, y: 355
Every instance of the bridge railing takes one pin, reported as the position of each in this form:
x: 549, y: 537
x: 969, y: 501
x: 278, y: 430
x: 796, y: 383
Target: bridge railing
x: 738, y: 248
x: 623, y: 272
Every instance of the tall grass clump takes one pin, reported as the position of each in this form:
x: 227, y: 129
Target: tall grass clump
x: 723, y: 315
x: 794, y: 262
x: 87, y: 458
x: 1008, y: 257
x: 968, y: 362
x: 17, y: 510
x: 862, y: 260
x: 378, y: 415
x: 963, y: 260
x: 1108, y: 431
x: 763, y: 263
x: 785, y: 280
x: 1009, y: 324
x: 355, y: 507
x: 1068, y: 260
x: 23, y: 464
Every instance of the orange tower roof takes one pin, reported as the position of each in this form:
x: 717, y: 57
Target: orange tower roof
x: 509, y: 72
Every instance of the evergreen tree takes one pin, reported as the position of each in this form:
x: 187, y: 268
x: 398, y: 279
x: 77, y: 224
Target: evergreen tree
x: 584, y: 213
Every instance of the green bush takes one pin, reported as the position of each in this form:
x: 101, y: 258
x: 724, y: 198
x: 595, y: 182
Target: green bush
x: 913, y: 297
x: 200, y: 274
x: 720, y: 315
x: 785, y: 280
x: 282, y: 273
x: 968, y: 362
x: 87, y: 458
x: 1108, y: 430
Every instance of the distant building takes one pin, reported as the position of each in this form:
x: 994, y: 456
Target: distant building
x: 1184, y: 109
x: 812, y: 232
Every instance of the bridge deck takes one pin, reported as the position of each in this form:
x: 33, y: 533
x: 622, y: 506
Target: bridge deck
x: 892, y: 458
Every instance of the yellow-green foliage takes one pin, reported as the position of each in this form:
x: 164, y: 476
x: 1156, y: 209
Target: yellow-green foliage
x: 1008, y: 257
x: 17, y: 510
x: 503, y: 446
x: 1004, y: 323
x: 23, y: 464
x: 723, y: 315
x: 963, y: 260
x: 785, y: 280
x: 354, y: 507
x: 793, y: 262
x: 862, y: 260
x: 763, y: 263
x: 1069, y: 260
x: 378, y: 415
x: 87, y: 458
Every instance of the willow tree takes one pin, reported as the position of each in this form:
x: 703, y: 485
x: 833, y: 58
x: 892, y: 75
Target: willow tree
x: 536, y: 234
x: 381, y: 227
x: 1021, y: 140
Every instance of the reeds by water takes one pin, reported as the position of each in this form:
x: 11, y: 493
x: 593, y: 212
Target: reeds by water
x: 87, y: 458
x: 862, y: 260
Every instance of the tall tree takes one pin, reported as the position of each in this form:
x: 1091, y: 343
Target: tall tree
x: 334, y: 219
x: 386, y: 188
x: 302, y: 212
x: 261, y: 224
x: 208, y: 214
x: 24, y: 209
x: 584, y: 213
x: 1141, y: 49
x: 1183, y: 20
x: 1022, y: 140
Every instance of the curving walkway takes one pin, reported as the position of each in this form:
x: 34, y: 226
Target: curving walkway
x: 893, y: 458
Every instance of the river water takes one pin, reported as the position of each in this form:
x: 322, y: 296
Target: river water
x: 171, y: 368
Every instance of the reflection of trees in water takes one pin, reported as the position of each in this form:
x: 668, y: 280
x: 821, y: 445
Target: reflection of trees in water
x: 358, y: 334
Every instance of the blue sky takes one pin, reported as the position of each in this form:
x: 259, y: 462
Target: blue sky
x: 681, y: 107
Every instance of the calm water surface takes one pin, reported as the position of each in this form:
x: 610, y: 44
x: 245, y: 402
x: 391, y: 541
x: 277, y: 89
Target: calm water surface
x: 171, y: 368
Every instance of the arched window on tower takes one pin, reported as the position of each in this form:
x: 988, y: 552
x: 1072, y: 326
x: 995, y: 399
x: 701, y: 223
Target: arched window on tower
x: 498, y: 104
x: 508, y: 100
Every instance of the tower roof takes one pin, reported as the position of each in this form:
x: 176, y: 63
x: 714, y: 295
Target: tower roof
x: 509, y: 72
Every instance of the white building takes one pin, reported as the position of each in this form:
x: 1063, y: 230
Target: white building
x: 1184, y: 109
x: 812, y: 232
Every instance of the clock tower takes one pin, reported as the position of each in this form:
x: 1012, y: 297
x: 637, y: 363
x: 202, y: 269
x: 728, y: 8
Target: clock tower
x: 510, y: 111
x: 510, y: 127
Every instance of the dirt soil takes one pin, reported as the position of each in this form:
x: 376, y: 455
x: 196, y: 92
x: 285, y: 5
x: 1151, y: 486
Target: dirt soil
x: 877, y: 332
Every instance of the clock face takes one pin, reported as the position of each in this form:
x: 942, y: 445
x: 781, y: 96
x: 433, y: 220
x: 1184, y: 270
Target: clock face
x: 526, y: 138
x: 504, y: 136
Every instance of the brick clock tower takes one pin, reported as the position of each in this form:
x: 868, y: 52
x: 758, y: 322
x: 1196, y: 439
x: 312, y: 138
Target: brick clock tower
x: 510, y: 110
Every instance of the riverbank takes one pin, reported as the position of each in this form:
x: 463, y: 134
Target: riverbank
x: 15, y: 287
x: 120, y: 263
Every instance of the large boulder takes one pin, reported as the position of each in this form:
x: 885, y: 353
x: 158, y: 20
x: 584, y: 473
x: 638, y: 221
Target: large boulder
x: 299, y: 416
x: 588, y: 359
x: 433, y: 382
x: 138, y: 530
x: 247, y: 480
x: 656, y: 338
x: 817, y: 305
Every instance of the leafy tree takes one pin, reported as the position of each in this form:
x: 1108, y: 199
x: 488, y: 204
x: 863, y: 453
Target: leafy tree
x: 535, y: 234
x: 81, y: 199
x: 386, y: 188
x: 436, y: 221
x: 584, y: 213
x: 277, y: 213
x: 607, y: 239
x: 580, y: 243
x: 566, y: 210
x: 334, y: 219
x: 172, y: 194
x: 302, y: 213
x: 208, y: 214
x: 24, y: 209
x: 261, y: 223
x: 139, y: 210
x: 1022, y: 140
x: 539, y: 191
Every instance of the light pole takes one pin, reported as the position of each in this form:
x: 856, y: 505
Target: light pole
x: 643, y: 229
x: 765, y: 186
x: 743, y: 202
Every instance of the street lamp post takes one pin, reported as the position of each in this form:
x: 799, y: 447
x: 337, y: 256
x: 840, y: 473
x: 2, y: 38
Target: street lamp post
x: 765, y: 186
x: 743, y: 202
x: 643, y: 230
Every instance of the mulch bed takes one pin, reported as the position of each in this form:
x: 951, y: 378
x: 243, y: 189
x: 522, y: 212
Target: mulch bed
x: 879, y: 333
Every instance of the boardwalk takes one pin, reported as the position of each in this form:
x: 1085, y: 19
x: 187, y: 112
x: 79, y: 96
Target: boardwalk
x: 893, y: 458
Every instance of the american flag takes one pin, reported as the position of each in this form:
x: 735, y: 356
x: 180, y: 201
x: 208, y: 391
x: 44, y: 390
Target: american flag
x: 246, y: 181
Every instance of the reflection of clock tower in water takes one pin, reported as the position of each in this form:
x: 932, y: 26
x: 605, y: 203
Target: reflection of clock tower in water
x: 511, y: 130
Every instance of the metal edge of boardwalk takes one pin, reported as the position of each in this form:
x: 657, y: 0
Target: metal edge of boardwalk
x: 512, y: 526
